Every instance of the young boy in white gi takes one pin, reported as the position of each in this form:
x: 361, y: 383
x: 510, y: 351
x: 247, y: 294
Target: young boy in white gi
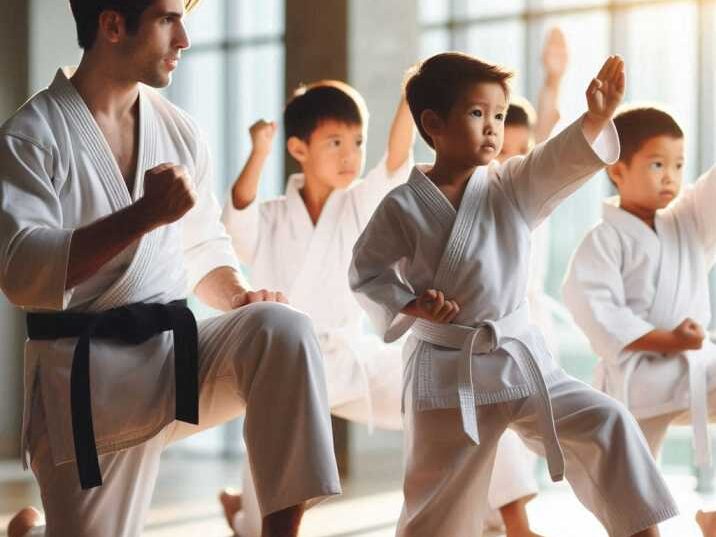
x: 638, y: 286
x: 300, y: 244
x: 447, y: 255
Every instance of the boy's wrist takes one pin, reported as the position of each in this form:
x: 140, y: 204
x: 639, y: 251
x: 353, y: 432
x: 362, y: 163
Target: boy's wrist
x: 593, y: 125
x: 260, y: 152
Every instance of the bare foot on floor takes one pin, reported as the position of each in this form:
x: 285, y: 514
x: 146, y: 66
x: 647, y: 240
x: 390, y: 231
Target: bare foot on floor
x: 231, y: 502
x: 23, y: 522
x: 707, y: 523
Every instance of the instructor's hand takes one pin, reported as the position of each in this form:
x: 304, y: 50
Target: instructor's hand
x: 168, y: 194
x: 262, y: 295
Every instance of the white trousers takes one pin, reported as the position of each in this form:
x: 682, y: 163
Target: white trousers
x: 263, y: 359
x: 608, y: 463
x: 655, y: 428
x: 513, y: 476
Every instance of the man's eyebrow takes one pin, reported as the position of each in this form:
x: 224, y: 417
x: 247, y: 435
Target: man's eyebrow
x: 173, y: 14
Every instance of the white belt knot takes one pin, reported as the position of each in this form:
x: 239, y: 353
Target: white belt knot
x: 486, y: 338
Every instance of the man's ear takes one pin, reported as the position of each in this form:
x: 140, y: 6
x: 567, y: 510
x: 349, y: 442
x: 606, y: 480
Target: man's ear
x: 297, y: 148
x: 432, y: 123
x: 112, y: 26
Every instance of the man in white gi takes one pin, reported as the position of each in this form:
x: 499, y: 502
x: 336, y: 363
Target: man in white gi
x: 108, y: 221
x: 446, y: 255
x: 638, y: 286
x: 300, y: 244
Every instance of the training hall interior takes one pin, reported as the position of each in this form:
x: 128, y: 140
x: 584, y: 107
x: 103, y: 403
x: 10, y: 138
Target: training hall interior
x: 246, y: 57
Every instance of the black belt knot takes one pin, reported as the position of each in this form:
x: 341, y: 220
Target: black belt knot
x: 131, y: 324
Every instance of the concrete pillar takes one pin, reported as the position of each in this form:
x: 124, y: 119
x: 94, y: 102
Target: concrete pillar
x: 13, y: 92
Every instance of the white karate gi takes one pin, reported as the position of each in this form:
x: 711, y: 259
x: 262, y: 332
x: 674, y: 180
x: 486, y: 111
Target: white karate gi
x: 626, y: 280
x: 490, y: 361
x: 57, y: 173
x: 284, y: 251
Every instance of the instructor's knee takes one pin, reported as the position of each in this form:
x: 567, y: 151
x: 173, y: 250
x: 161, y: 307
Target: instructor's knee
x: 282, y: 325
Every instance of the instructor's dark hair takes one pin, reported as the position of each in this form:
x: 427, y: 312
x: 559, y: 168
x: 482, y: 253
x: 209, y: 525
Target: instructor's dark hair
x: 87, y: 12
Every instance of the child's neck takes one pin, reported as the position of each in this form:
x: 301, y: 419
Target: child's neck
x: 315, y: 194
x: 645, y: 214
x: 451, y: 179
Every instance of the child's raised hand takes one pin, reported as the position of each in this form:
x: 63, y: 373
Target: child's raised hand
x: 433, y: 306
x: 555, y: 55
x: 262, y: 133
x: 606, y: 91
x: 690, y: 334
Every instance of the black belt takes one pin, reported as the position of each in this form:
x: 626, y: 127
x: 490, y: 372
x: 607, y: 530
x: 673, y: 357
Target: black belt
x: 132, y: 324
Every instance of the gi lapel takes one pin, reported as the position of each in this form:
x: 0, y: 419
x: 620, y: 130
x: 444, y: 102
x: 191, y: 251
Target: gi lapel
x: 143, y: 259
x: 322, y: 235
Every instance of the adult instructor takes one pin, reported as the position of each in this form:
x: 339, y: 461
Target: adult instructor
x: 107, y: 222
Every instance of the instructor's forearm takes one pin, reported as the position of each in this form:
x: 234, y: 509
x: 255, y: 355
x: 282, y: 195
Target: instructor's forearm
x: 96, y: 244
x: 661, y: 341
x: 219, y: 287
x: 246, y: 186
x: 402, y: 136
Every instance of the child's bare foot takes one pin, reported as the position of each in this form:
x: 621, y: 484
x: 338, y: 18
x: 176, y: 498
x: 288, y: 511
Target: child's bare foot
x: 231, y: 502
x: 707, y: 523
x: 23, y: 522
x: 517, y: 523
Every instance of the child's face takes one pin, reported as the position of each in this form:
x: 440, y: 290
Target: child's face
x: 518, y: 139
x: 473, y: 132
x: 653, y: 177
x: 334, y: 153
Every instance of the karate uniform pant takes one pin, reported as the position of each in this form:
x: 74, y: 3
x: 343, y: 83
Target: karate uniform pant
x: 263, y: 359
x: 655, y: 428
x: 608, y: 463
x: 513, y: 477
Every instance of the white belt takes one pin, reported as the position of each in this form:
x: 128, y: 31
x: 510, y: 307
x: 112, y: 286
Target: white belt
x: 486, y: 338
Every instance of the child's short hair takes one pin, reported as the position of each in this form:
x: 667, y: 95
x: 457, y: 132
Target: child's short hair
x: 520, y: 113
x: 438, y: 82
x: 638, y: 124
x: 321, y: 101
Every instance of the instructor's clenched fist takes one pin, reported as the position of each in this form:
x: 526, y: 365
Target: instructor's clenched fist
x: 168, y: 194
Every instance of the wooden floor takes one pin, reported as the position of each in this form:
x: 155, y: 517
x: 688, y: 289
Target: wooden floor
x: 185, y: 502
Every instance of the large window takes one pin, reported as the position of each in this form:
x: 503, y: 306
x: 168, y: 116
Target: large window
x: 232, y: 75
x: 670, y: 54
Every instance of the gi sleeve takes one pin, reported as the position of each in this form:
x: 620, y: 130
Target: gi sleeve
x: 34, y: 244
x: 555, y: 169
x: 375, y: 274
x: 593, y: 291
x: 697, y: 203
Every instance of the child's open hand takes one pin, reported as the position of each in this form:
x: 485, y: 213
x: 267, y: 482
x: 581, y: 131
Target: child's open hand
x: 555, y: 55
x: 262, y: 133
x: 690, y: 334
x: 433, y: 306
x: 606, y: 91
